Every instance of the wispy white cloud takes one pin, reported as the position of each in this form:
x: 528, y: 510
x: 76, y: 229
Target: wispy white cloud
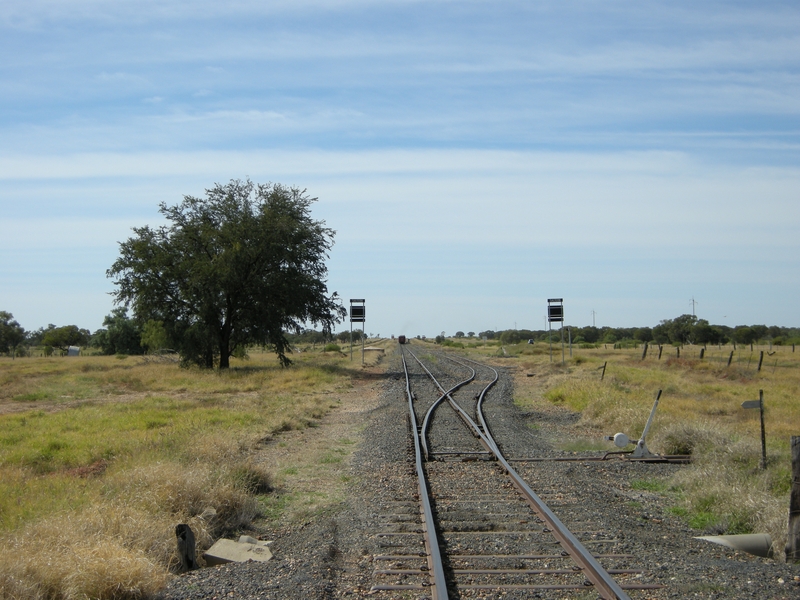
x: 639, y: 149
x: 626, y: 199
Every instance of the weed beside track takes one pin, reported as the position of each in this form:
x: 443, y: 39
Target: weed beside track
x: 100, y: 458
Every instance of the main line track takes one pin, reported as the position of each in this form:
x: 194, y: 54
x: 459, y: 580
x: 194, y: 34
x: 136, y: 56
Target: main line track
x: 483, y: 526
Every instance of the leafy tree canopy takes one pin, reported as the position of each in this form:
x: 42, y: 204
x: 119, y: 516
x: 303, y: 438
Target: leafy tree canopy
x: 122, y: 335
x: 66, y: 336
x: 11, y: 333
x: 241, y: 266
x: 154, y: 336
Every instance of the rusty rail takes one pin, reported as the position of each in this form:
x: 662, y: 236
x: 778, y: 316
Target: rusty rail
x: 599, y: 578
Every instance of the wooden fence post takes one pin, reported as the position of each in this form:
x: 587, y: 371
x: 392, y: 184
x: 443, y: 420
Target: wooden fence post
x: 730, y: 358
x: 760, y: 360
x: 793, y: 543
x: 763, y: 431
x: 644, y: 351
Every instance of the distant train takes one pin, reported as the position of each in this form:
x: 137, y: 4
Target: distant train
x: 402, y: 339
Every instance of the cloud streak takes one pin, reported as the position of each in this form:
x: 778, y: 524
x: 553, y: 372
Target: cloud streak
x: 630, y: 154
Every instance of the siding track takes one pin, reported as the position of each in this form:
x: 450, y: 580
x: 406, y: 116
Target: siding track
x: 483, y: 528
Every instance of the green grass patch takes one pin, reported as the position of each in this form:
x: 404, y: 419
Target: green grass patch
x: 649, y: 485
x: 118, y: 451
x: 32, y: 397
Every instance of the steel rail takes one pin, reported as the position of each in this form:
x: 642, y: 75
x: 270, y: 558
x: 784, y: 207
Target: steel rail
x: 487, y: 442
x: 603, y: 583
x: 432, y: 408
x: 438, y: 582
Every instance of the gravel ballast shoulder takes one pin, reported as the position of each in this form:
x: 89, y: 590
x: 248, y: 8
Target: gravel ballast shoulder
x: 332, y: 555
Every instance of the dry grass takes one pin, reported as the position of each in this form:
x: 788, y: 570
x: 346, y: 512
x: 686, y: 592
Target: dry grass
x: 100, y: 458
x: 699, y: 413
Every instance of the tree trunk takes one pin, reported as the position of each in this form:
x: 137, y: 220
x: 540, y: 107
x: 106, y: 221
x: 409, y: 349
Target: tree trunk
x: 209, y: 356
x: 224, y: 346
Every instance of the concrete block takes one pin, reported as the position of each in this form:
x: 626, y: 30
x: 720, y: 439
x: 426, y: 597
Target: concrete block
x: 226, y: 551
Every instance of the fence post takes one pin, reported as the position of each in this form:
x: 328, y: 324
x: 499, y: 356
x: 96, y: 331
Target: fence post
x: 702, y: 353
x: 793, y: 543
x: 763, y: 432
x: 730, y: 358
x: 660, y: 349
x: 760, y: 360
x: 644, y: 351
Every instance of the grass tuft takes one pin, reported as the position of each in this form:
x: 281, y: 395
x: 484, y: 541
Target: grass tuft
x: 118, y: 452
x: 700, y: 414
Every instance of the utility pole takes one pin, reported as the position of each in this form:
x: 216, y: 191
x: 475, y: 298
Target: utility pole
x: 593, y: 316
x: 694, y: 302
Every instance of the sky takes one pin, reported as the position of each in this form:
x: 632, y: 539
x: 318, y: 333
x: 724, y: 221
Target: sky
x: 639, y: 159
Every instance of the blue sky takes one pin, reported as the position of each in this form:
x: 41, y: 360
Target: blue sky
x: 475, y: 158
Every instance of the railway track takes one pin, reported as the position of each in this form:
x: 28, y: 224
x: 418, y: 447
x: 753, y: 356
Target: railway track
x: 475, y: 526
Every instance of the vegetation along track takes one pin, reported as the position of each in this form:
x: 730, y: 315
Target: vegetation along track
x: 483, y: 527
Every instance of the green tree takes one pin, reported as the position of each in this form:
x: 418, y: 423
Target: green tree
x: 344, y: 336
x: 34, y: 338
x: 703, y: 333
x: 64, y: 337
x: 154, y: 336
x: 241, y: 266
x: 678, y: 330
x: 459, y: 334
x: 743, y: 334
x: 591, y: 334
x: 760, y: 331
x: 11, y: 333
x: 121, y: 336
x: 510, y: 336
